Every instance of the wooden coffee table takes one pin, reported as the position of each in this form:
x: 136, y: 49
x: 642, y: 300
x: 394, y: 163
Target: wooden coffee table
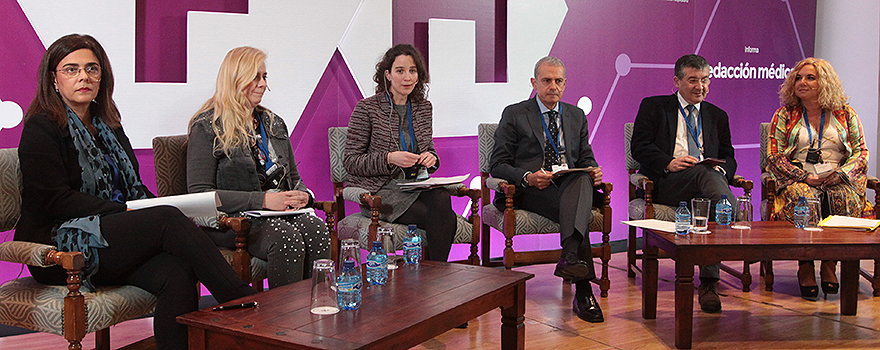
x: 767, y: 240
x: 417, y: 304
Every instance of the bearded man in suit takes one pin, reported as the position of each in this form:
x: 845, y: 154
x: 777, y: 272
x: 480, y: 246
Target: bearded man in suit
x: 672, y: 134
x: 536, y: 138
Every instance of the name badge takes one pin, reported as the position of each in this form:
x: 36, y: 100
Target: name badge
x: 823, y: 168
x: 556, y: 168
x: 814, y: 156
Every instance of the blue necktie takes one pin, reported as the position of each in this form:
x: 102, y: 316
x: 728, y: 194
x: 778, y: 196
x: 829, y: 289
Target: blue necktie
x: 693, y: 150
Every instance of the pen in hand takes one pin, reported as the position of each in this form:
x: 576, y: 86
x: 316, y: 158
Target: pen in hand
x: 236, y: 306
x: 551, y: 180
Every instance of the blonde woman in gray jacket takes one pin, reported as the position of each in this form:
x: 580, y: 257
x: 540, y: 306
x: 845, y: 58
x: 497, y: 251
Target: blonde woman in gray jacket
x: 242, y: 150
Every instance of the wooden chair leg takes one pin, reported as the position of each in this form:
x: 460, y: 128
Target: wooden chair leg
x: 631, y: 253
x: 102, y: 339
x: 746, y: 277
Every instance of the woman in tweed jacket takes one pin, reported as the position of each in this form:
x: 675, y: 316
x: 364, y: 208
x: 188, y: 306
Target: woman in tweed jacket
x: 813, y: 91
x: 390, y: 140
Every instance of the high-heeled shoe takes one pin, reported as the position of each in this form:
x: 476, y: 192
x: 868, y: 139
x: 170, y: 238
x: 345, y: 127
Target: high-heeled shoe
x: 830, y: 287
x: 809, y: 292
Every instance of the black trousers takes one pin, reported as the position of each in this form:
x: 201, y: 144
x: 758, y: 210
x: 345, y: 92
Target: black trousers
x: 569, y: 202
x: 432, y: 212
x: 161, y: 251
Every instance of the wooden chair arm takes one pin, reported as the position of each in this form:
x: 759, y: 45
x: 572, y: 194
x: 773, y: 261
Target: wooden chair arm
x: 874, y: 183
x: 474, y: 194
x: 508, y: 190
x: 68, y: 260
x: 746, y: 185
x: 605, y: 187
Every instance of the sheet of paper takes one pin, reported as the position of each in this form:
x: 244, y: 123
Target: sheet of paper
x: 566, y: 171
x: 652, y: 224
x: 434, y: 181
x: 268, y: 213
x: 838, y: 221
x: 192, y: 205
x: 713, y: 161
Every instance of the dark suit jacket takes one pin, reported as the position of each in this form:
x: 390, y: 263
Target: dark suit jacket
x: 653, y: 139
x: 519, y: 141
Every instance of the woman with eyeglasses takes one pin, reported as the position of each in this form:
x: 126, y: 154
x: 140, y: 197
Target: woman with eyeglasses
x: 816, y: 149
x: 390, y: 140
x: 78, y: 170
x: 242, y: 150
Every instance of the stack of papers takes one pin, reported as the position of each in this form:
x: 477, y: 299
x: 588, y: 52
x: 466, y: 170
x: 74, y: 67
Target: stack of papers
x: 433, y: 182
x: 269, y: 213
x: 837, y: 221
x: 652, y: 224
x: 192, y: 205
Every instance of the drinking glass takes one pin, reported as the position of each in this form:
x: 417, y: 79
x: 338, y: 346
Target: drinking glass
x: 350, y: 249
x: 815, y: 205
x: 743, y: 213
x: 386, y: 235
x: 324, y: 300
x: 700, y: 215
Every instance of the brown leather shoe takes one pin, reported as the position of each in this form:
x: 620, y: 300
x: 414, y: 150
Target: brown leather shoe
x: 708, y: 296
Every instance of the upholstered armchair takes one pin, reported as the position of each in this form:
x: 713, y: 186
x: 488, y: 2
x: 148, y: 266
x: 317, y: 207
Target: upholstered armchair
x: 60, y: 310
x: 514, y: 222
x: 641, y: 206
x: 364, y: 228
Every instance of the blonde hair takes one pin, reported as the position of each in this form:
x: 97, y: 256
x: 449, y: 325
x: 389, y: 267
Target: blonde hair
x: 231, y: 118
x: 831, y: 95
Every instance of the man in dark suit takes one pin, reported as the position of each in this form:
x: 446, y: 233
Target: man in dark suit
x: 671, y: 135
x: 536, y: 138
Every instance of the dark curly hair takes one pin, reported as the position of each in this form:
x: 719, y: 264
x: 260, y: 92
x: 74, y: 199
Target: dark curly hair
x: 420, y: 91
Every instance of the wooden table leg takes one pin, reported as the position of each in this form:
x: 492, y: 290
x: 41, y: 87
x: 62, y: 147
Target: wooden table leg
x: 513, y: 330
x: 849, y: 287
x: 649, y: 278
x: 684, y: 302
x: 196, y: 338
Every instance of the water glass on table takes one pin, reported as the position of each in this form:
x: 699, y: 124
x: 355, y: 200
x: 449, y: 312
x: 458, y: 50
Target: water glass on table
x: 386, y: 235
x: 815, y: 215
x: 700, y: 214
x: 349, y: 249
x: 743, y: 213
x: 324, y: 298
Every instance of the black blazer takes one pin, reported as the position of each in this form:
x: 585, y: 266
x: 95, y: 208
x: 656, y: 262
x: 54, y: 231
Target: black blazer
x: 519, y: 141
x: 52, y: 178
x: 653, y: 139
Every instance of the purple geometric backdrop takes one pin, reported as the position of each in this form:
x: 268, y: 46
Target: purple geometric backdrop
x: 616, y: 53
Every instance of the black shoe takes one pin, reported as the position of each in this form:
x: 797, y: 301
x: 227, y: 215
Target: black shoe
x: 587, y: 309
x: 708, y: 297
x: 829, y: 288
x: 571, y: 267
x: 809, y: 292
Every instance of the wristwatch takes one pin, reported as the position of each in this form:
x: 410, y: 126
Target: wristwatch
x: 525, y: 182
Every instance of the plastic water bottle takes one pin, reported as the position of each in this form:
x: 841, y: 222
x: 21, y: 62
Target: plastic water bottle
x: 348, y: 286
x: 723, y: 211
x: 801, y: 212
x: 412, y: 246
x: 377, y: 265
x: 682, y: 219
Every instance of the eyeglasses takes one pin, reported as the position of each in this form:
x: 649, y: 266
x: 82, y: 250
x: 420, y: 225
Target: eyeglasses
x: 695, y: 81
x: 93, y: 71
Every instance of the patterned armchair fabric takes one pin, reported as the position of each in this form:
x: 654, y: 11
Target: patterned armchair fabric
x: 358, y: 226
x: 29, y: 304
x: 169, y: 157
x: 529, y: 223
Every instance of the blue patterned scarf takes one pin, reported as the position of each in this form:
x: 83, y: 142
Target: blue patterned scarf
x: 98, y: 172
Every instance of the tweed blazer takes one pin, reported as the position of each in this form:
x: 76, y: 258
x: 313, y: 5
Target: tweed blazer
x: 373, y: 132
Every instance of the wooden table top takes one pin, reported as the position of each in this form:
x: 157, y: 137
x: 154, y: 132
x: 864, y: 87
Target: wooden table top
x: 771, y: 233
x: 420, y: 302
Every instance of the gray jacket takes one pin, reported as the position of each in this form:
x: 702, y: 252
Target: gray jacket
x: 234, y: 177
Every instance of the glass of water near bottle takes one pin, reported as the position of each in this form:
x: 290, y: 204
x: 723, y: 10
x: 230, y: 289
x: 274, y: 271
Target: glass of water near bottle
x: 386, y: 235
x: 743, y: 214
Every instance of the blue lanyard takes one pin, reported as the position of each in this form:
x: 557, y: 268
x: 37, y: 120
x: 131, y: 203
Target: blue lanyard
x: 553, y: 142
x: 263, y: 142
x: 412, y: 132
x: 810, y: 129
x: 695, y: 133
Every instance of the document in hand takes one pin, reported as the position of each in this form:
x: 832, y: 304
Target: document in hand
x: 566, y: 171
x: 433, y: 182
x: 268, y: 213
x: 652, y: 224
x: 192, y: 205
x: 837, y: 221
x: 713, y: 161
